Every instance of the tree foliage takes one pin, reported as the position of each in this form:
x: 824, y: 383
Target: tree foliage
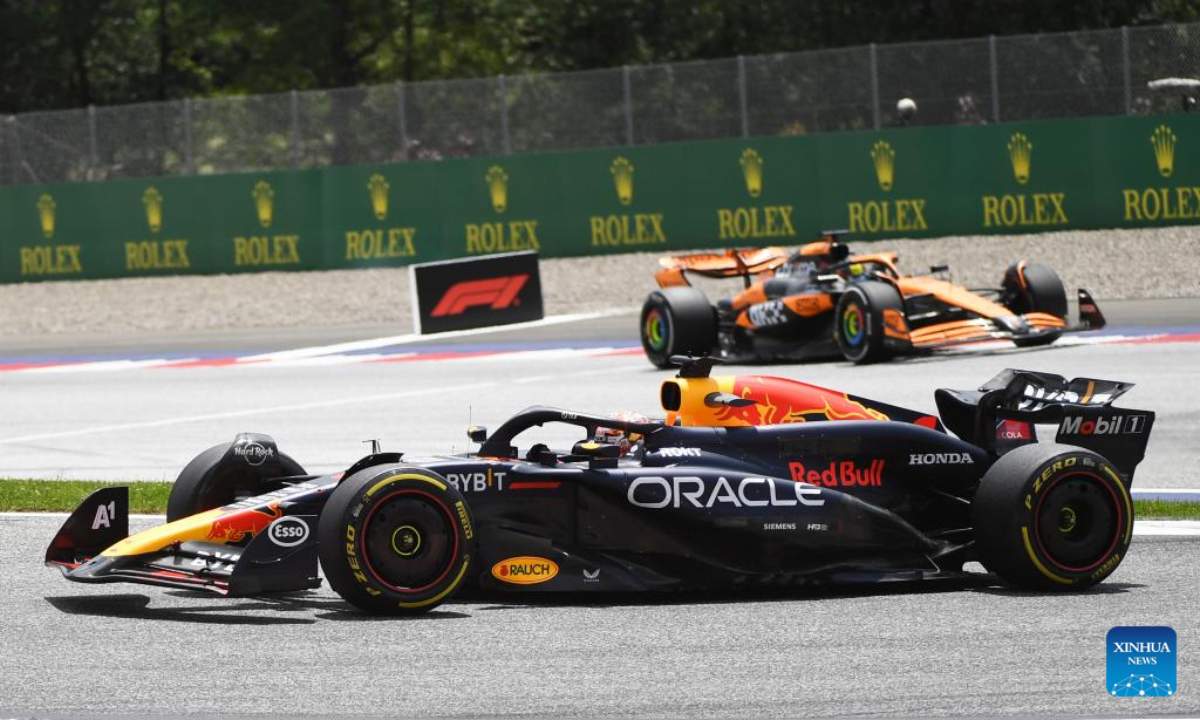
x: 70, y: 53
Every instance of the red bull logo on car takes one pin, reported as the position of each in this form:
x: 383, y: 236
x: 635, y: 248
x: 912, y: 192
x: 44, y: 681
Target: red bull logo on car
x: 846, y: 473
x: 238, y: 524
x: 790, y: 402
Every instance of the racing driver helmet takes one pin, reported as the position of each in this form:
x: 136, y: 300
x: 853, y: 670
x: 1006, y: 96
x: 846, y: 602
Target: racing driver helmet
x: 626, y: 441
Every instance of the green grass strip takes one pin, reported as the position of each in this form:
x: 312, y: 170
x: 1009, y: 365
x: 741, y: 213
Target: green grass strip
x: 151, y: 497
x: 65, y: 495
x: 1165, y: 510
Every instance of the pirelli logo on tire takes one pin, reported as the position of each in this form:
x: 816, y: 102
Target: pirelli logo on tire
x: 476, y: 292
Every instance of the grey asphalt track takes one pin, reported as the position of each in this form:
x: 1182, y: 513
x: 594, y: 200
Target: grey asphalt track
x: 938, y: 651
x: 948, y: 651
x: 1145, y: 313
x: 146, y: 424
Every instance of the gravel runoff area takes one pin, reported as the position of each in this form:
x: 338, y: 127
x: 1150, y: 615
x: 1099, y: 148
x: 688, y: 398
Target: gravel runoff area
x: 1112, y: 264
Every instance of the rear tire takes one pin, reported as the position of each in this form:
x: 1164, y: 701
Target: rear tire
x: 677, y: 321
x: 1052, y: 517
x: 202, y: 485
x: 395, y: 540
x: 858, y: 321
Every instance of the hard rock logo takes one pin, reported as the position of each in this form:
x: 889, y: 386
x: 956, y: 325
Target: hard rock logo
x: 1020, y: 152
x: 884, y: 159
x: 264, y: 202
x: 1163, y: 141
x: 378, y: 187
x: 497, y: 182
x: 45, y: 206
x: 153, y: 200
x: 622, y: 174
x: 752, y: 171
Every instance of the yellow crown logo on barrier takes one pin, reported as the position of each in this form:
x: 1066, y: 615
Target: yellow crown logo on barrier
x: 884, y: 159
x: 378, y: 187
x: 45, y: 206
x: 622, y: 173
x: 1020, y: 152
x: 1163, y: 141
x: 264, y: 202
x: 752, y: 171
x: 497, y: 181
x: 153, y: 201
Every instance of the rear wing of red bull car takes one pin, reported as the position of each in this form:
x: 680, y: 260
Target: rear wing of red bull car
x: 1004, y: 412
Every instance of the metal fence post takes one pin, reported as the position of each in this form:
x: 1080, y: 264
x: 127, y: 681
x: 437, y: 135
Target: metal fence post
x: 628, y: 104
x: 20, y: 160
x: 742, y: 95
x: 505, y: 144
x: 295, y: 97
x: 93, y: 161
x: 5, y: 157
x: 1125, y: 62
x: 402, y: 108
x: 875, y: 87
x: 189, y: 161
x: 995, y: 78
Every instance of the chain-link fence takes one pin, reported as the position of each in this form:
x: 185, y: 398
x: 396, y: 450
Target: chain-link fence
x: 980, y: 80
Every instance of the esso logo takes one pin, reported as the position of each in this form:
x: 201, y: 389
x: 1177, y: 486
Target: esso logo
x: 288, y: 532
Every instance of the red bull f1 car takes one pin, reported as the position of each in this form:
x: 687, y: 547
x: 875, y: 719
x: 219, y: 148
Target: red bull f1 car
x: 820, y: 301
x: 748, y: 481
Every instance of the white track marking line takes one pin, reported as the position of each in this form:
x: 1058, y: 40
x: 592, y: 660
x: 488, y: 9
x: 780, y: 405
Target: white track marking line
x: 1163, y: 528
x: 98, y: 366
x: 410, y: 338
x: 291, y: 408
x: 1171, y: 494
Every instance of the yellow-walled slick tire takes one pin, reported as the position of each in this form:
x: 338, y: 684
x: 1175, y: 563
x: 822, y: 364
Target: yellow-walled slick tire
x: 1052, y: 517
x: 395, y: 540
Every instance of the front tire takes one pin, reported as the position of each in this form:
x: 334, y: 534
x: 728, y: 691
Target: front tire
x: 204, y: 483
x: 1030, y: 287
x: 858, y: 321
x: 1052, y: 517
x: 395, y: 540
x: 677, y: 321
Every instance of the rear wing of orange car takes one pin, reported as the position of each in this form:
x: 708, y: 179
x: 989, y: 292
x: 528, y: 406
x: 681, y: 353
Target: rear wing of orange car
x: 750, y: 262
x: 742, y: 262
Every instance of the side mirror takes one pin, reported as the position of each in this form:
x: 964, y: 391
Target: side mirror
x: 477, y: 433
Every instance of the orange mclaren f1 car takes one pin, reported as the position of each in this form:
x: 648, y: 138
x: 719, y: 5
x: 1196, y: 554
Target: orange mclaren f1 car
x: 822, y: 301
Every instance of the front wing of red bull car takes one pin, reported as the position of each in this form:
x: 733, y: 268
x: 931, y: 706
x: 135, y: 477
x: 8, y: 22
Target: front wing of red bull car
x: 749, y: 481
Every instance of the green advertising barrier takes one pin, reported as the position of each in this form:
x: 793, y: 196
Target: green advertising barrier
x: 161, y: 226
x: 915, y: 182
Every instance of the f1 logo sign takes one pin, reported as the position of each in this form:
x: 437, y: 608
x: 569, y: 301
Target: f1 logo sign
x: 499, y: 292
x: 476, y: 292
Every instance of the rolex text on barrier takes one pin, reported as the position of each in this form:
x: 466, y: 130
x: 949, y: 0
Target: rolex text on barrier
x: 476, y: 292
x: 1022, y: 177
